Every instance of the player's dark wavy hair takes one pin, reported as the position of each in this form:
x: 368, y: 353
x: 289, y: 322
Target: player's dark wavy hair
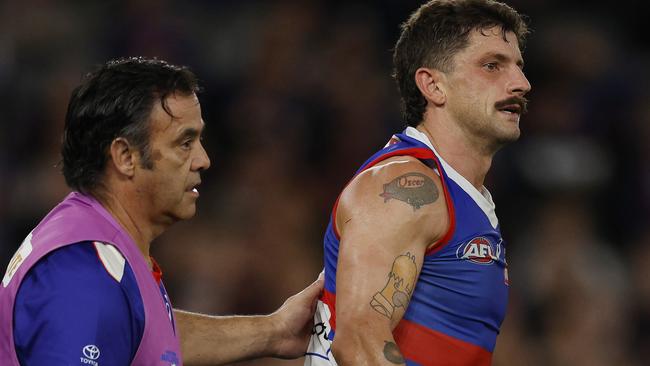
x: 435, y: 33
x: 115, y: 101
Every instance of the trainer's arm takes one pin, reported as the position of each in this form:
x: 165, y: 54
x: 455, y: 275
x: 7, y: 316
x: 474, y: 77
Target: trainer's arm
x: 387, y: 218
x: 216, y: 340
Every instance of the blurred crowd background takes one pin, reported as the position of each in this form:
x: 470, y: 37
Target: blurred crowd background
x: 298, y: 94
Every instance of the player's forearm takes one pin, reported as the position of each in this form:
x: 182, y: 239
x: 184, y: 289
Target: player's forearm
x: 360, y: 349
x: 211, y: 340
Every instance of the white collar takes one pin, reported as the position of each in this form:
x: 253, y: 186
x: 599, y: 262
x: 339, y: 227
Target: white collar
x: 482, y: 198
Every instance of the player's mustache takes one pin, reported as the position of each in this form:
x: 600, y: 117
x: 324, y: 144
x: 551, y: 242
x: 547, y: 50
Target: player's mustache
x: 521, y: 101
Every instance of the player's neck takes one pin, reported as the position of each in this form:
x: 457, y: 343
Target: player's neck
x: 469, y: 158
x: 127, y: 213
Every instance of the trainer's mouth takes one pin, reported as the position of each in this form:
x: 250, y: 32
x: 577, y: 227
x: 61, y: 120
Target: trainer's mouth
x: 194, y: 188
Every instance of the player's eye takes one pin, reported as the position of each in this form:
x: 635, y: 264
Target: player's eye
x: 491, y: 66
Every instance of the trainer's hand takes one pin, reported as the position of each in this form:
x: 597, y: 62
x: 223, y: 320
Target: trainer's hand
x: 294, y: 321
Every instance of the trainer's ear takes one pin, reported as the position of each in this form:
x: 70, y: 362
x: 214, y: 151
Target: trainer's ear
x: 431, y: 85
x: 122, y: 156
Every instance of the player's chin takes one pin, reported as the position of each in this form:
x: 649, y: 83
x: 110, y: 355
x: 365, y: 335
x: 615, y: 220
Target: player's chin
x: 509, y: 134
x: 502, y: 140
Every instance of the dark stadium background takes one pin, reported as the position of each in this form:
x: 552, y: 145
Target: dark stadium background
x: 298, y: 94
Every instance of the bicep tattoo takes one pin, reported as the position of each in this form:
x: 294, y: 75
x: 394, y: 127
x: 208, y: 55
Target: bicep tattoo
x: 416, y: 189
x: 398, y: 289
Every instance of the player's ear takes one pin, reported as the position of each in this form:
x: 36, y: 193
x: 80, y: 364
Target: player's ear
x: 430, y: 83
x: 122, y: 156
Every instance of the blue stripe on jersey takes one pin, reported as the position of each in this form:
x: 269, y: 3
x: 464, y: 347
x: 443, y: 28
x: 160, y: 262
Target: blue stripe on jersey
x: 68, y: 301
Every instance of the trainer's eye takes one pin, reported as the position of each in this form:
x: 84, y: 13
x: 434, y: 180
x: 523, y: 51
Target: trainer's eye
x: 187, y: 145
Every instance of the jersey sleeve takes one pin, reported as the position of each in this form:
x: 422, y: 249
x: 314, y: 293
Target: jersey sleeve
x: 71, y: 309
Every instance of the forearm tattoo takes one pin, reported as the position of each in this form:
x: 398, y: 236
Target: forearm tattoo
x: 416, y: 189
x: 392, y: 353
x: 398, y: 289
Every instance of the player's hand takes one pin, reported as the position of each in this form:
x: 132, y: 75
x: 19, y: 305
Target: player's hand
x: 294, y: 321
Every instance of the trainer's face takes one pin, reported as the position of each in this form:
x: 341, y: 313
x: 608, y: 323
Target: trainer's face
x: 486, y: 86
x: 170, y: 187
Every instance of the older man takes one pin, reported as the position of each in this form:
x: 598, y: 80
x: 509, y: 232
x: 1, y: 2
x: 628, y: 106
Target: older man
x: 82, y: 289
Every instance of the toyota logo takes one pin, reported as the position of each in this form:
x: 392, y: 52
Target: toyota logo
x: 91, y: 351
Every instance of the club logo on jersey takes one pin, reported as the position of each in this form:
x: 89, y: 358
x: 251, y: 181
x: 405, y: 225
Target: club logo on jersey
x: 91, y: 353
x: 480, y: 250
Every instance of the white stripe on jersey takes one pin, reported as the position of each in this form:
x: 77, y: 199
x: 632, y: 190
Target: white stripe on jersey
x: 112, y: 259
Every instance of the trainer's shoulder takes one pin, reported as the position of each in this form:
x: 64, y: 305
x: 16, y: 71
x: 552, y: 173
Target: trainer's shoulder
x: 72, y: 297
x: 86, y: 259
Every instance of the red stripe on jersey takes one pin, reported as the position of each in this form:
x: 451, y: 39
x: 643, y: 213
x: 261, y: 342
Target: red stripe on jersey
x: 416, y: 152
x: 330, y: 301
x: 156, y: 271
x: 334, y: 228
x: 430, y: 348
x: 426, y: 346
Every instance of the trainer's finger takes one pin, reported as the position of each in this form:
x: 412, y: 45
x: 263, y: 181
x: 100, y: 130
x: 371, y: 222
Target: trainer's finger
x: 314, y: 290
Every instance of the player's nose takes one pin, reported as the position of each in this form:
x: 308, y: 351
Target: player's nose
x: 519, y: 84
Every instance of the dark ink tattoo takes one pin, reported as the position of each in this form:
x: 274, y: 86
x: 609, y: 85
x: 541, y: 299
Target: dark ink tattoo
x: 399, y: 288
x: 392, y: 353
x: 416, y: 189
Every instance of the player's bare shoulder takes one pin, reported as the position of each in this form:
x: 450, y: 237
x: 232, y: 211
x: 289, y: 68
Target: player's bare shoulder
x: 400, y: 191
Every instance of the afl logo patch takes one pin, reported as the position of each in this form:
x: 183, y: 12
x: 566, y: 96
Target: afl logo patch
x: 479, y: 250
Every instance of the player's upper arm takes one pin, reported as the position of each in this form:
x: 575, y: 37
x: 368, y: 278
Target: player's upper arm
x: 387, y: 217
x: 70, y: 307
